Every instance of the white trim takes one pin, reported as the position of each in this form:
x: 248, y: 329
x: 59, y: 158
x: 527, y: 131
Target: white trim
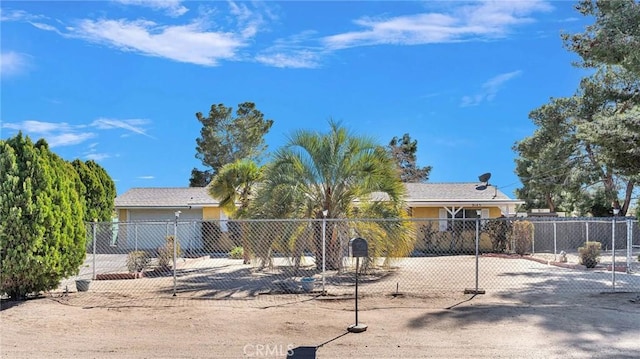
x: 442, y: 223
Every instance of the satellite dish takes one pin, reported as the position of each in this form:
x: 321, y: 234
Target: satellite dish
x: 485, y: 177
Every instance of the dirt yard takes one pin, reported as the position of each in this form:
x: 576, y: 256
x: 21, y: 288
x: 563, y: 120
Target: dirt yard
x: 99, y: 325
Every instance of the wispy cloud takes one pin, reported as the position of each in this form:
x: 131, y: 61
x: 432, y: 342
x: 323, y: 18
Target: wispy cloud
x: 172, y: 8
x: 93, y: 154
x: 293, y: 52
x: 133, y: 125
x: 183, y: 43
x: 60, y: 134
x: 483, y: 20
x: 290, y: 59
x: 97, y: 156
x: 193, y: 42
x: 146, y: 177
x: 13, y: 63
x: 17, y: 15
x: 57, y: 134
x: 489, y: 89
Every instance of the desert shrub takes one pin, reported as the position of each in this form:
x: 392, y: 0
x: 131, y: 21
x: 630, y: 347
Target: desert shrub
x: 165, y: 253
x: 590, y: 254
x: 498, y: 231
x: 522, y: 236
x: 236, y: 253
x: 137, y: 261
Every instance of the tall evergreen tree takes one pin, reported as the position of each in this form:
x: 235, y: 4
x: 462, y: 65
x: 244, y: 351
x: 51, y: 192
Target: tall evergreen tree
x: 404, y: 150
x: 226, y: 138
x: 42, y: 235
x: 99, y: 190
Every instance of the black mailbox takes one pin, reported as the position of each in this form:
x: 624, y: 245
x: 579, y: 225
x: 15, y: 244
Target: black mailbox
x: 359, y: 247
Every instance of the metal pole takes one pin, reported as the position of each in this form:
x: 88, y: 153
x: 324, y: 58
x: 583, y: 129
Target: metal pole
x: 555, y: 242
x: 324, y: 250
x: 613, y: 253
x: 135, y: 229
x: 357, y: 266
x: 629, y: 244
x: 94, y: 248
x: 587, y: 225
x: 477, y: 248
x: 175, y: 251
x: 191, y: 237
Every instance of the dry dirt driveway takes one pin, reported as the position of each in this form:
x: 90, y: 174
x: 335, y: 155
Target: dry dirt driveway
x: 446, y: 326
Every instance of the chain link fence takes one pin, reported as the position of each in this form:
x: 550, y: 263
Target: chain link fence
x: 246, y: 259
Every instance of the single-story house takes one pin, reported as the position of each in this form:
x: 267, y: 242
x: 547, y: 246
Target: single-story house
x: 435, y: 203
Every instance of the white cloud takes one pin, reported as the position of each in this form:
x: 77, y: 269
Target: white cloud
x: 67, y: 139
x: 133, y: 125
x: 17, y: 15
x: 64, y: 134
x: 183, y: 43
x: 146, y: 177
x: 13, y: 63
x: 43, y: 26
x: 194, y: 42
x: 172, y: 8
x: 292, y: 53
x: 38, y: 126
x: 489, y: 89
x: 292, y: 59
x: 55, y: 133
x: 97, y: 156
x: 487, y: 19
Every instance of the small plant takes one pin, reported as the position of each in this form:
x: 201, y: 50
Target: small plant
x: 590, y: 254
x: 165, y: 253
x: 137, y: 261
x: 236, y: 253
x: 522, y: 234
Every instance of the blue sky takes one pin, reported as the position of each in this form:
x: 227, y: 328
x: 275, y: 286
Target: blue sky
x: 120, y: 81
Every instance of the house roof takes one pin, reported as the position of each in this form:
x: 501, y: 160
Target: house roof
x: 417, y: 194
x: 453, y: 192
x: 162, y: 197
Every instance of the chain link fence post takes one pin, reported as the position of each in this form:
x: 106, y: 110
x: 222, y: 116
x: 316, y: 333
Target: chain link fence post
x: 94, y: 225
x: 613, y: 252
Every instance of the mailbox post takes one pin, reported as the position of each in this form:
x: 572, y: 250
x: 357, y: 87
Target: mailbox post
x: 358, y: 248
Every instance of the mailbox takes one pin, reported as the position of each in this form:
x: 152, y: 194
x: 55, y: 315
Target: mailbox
x: 359, y: 247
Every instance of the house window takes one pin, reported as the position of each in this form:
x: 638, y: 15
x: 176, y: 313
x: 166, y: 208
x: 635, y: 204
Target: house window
x: 447, y: 216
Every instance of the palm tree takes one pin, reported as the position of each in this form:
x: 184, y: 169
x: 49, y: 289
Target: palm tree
x: 232, y: 186
x: 328, y: 172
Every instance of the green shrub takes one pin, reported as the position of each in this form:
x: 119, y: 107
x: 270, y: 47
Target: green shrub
x: 165, y: 253
x: 42, y: 233
x: 498, y: 231
x: 590, y: 254
x: 236, y: 253
x: 137, y: 261
x: 522, y: 235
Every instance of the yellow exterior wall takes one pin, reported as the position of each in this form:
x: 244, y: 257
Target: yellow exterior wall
x: 434, y: 212
x: 211, y: 213
x: 425, y: 212
x: 441, y: 239
x: 122, y: 215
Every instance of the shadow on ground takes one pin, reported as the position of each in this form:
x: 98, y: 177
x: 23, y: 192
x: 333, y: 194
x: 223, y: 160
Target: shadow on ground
x: 591, y: 315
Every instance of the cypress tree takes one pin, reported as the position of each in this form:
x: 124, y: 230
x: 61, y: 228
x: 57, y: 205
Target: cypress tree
x: 42, y: 235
